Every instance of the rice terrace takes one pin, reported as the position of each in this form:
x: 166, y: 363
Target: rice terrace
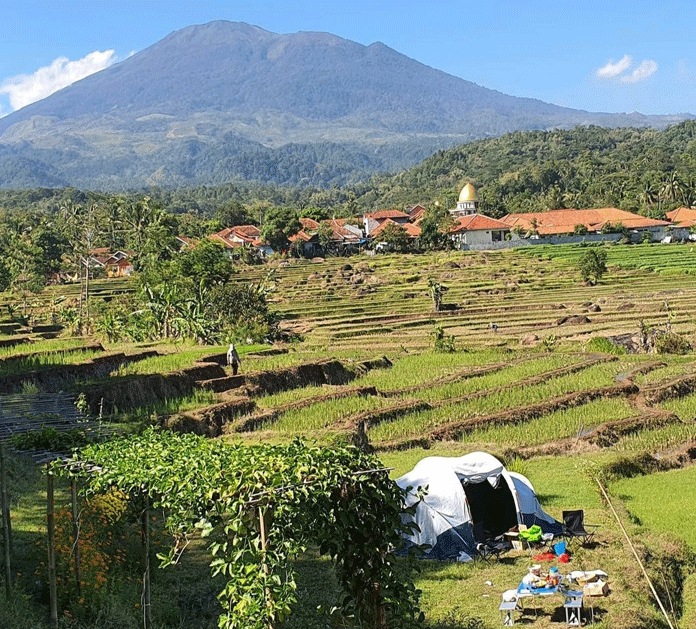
x: 579, y: 387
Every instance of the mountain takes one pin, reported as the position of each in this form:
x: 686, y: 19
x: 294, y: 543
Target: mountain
x: 225, y: 101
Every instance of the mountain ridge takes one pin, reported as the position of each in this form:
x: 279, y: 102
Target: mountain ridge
x: 224, y: 84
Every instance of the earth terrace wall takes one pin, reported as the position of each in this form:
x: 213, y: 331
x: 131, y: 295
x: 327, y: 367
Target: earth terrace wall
x: 58, y: 377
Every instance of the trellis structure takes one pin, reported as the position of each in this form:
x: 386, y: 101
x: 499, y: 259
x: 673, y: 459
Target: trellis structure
x: 259, y: 507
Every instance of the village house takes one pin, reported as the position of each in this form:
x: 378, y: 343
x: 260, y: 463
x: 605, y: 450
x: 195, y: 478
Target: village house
x: 308, y: 236
x: 683, y: 217
x: 415, y: 212
x: 411, y: 231
x: 571, y: 222
x: 239, y: 236
x: 372, y: 220
x: 345, y: 236
x: 477, y: 229
x: 115, y: 264
x: 186, y: 243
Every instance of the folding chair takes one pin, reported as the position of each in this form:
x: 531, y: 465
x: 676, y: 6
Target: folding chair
x: 487, y: 548
x: 574, y: 527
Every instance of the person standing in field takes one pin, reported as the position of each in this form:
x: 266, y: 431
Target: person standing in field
x: 233, y: 359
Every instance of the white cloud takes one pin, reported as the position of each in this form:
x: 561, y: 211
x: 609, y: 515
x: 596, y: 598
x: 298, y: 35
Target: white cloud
x: 646, y: 68
x: 25, y: 89
x: 612, y: 70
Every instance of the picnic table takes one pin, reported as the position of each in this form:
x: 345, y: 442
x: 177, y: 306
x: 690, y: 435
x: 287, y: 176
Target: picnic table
x: 572, y: 604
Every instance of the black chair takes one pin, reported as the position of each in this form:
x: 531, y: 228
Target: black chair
x: 574, y: 527
x: 487, y: 547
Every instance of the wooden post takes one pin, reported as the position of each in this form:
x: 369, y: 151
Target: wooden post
x: 76, y: 534
x: 145, y: 532
x: 264, y: 565
x: 380, y: 615
x: 6, y: 529
x: 52, y: 590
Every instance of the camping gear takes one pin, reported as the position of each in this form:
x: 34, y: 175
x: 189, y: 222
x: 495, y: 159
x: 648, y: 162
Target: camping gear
x: 559, y: 548
x: 486, y: 547
x: 463, y: 491
x: 532, y: 534
x: 596, y: 588
x: 574, y: 526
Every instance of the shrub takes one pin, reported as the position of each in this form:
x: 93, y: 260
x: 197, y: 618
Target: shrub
x: 443, y: 342
x: 672, y: 343
x: 605, y: 346
x: 593, y: 265
x: 48, y: 438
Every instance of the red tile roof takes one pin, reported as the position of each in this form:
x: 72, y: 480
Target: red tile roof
x: 300, y: 235
x: 187, y: 241
x: 564, y: 221
x: 230, y: 244
x: 682, y: 216
x: 413, y: 231
x: 340, y: 232
x: 380, y: 215
x: 476, y: 222
x: 415, y: 213
x: 309, y: 224
x: 247, y: 230
x: 246, y: 233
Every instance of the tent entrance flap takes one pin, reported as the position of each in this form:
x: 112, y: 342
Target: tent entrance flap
x: 493, y: 507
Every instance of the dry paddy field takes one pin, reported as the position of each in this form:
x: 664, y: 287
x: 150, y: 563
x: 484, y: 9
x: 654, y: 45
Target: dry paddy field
x: 545, y: 391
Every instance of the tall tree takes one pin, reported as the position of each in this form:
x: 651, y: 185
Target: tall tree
x: 278, y: 225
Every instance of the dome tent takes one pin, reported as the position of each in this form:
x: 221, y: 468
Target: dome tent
x: 474, y: 489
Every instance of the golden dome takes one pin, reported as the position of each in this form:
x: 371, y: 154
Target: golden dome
x: 468, y: 193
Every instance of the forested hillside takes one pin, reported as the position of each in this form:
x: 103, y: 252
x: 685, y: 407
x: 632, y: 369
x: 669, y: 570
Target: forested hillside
x: 634, y: 169
x: 642, y: 170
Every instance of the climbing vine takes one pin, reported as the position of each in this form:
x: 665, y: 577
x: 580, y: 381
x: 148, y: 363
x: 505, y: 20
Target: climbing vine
x: 259, y: 507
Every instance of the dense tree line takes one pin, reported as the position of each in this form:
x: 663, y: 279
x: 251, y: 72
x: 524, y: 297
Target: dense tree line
x: 640, y: 170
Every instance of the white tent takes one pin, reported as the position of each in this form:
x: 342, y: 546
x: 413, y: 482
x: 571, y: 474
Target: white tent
x: 474, y: 490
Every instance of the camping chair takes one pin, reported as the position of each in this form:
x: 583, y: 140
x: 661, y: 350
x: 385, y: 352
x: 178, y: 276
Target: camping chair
x: 574, y: 527
x: 487, y: 548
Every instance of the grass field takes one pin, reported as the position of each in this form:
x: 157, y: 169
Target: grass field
x: 530, y: 393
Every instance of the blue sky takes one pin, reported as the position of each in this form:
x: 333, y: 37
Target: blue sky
x: 598, y: 56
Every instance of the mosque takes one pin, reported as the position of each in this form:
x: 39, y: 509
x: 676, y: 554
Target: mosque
x: 472, y: 228
x: 467, y: 203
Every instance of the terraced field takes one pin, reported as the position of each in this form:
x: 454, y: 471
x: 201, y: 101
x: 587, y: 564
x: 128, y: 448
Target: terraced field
x: 535, y: 392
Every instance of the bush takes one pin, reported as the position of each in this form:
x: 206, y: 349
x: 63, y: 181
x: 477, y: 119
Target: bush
x: 672, y: 343
x: 48, y: 438
x: 443, y: 342
x: 605, y: 346
x: 593, y: 265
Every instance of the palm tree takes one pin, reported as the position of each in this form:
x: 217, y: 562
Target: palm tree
x: 672, y: 187
x: 649, y: 195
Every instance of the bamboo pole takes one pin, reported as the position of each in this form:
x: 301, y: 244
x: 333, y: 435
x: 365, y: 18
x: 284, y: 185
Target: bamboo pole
x: 52, y: 590
x: 76, y: 534
x: 6, y: 529
x: 635, y: 554
x: 145, y: 532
